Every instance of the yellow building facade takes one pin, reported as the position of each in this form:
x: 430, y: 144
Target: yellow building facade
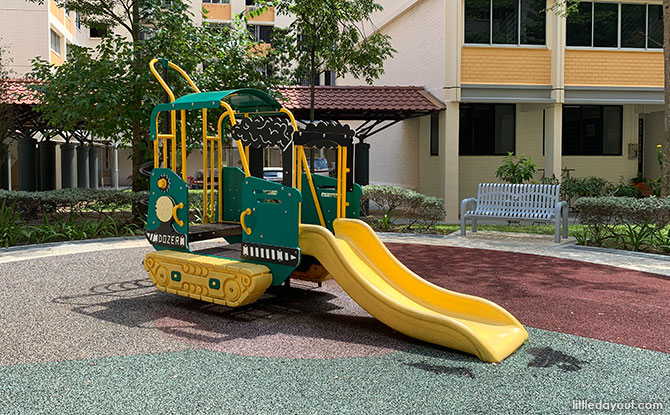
x: 582, y: 94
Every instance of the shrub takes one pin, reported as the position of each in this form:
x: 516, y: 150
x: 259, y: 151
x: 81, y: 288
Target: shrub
x: 576, y: 187
x: 429, y: 211
x: 623, y: 190
x: 10, y: 231
x: 388, y: 198
x: 516, y: 170
x: 70, y: 201
x: 624, y: 222
x: 399, y: 201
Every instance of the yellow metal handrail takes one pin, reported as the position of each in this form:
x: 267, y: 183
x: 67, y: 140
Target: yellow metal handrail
x: 173, y: 122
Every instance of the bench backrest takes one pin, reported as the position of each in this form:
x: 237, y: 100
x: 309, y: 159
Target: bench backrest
x: 532, y: 201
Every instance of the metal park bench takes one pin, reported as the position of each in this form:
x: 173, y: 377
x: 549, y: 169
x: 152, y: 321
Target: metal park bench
x: 537, y: 202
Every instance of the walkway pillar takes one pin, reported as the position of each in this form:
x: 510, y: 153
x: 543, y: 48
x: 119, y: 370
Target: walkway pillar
x: 5, y: 175
x: 449, y: 159
x: 255, y: 162
x: 47, y: 150
x: 67, y: 166
x: 82, y: 167
x: 553, y: 140
x: 115, y: 167
x: 93, y: 167
x: 362, y: 163
x: 27, y: 177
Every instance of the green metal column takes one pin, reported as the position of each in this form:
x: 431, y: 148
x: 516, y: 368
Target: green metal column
x: 362, y: 164
x: 82, y: 167
x: 27, y: 178
x: 67, y: 166
x: 47, y: 150
x: 93, y: 167
x: 4, y: 166
x: 256, y: 162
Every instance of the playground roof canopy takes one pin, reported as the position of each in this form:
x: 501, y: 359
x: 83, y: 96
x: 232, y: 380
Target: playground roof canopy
x: 241, y: 100
x: 360, y: 102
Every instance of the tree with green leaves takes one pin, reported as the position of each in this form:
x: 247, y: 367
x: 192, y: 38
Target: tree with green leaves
x: 109, y: 90
x: 566, y: 7
x: 331, y: 35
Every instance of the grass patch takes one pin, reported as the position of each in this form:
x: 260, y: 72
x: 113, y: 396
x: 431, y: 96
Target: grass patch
x: 532, y: 229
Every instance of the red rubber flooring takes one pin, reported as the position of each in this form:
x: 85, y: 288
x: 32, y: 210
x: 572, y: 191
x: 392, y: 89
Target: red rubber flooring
x: 590, y: 300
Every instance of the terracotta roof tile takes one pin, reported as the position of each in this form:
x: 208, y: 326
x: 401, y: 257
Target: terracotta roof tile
x: 18, y: 93
x: 332, y: 102
x: 361, y: 102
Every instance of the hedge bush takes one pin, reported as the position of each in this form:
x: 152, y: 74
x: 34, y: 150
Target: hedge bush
x: 34, y: 205
x: 625, y: 222
x: 398, y: 201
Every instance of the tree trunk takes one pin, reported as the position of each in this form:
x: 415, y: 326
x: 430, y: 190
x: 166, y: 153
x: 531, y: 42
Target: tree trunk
x: 665, y: 170
x: 139, y: 182
x: 312, y: 75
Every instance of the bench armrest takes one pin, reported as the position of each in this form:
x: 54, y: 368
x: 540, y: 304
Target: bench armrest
x: 559, y: 208
x: 464, y: 204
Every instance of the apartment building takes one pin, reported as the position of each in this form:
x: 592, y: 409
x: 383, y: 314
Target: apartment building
x: 583, y: 93
x: 32, y: 30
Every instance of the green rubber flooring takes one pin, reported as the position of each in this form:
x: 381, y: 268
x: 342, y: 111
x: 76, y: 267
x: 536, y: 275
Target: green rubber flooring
x: 545, y: 376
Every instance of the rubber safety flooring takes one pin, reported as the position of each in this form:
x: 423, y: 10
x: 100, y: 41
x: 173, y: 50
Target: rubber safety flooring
x: 87, y: 333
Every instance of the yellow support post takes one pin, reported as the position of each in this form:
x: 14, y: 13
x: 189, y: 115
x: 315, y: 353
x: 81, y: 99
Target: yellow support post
x: 183, y: 145
x: 211, y: 179
x: 339, y: 181
x: 164, y: 153
x: 345, y: 170
x: 220, y: 192
x: 311, y: 186
x: 240, y: 147
x: 295, y: 128
x: 155, y: 153
x: 173, y: 119
x: 204, y: 166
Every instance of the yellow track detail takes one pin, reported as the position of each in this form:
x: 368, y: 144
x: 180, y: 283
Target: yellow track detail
x: 216, y: 280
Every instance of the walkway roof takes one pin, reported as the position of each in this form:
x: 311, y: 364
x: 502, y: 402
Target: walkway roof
x: 361, y: 102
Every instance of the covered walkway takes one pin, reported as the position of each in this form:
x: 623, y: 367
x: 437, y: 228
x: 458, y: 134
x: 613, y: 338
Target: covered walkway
x: 37, y: 156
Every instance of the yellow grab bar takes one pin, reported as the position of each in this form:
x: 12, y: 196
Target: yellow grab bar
x: 244, y: 227
x: 162, y: 81
x: 174, y: 214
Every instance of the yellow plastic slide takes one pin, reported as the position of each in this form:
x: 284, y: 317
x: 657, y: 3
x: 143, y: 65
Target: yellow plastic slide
x: 397, y: 297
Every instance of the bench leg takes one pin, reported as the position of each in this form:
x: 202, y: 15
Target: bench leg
x: 462, y: 225
x: 565, y: 222
x: 557, y: 229
x: 474, y: 225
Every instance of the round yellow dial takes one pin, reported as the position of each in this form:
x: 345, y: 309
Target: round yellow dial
x: 164, y: 206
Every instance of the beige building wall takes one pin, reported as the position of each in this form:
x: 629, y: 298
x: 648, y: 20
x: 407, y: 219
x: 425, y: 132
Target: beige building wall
x: 397, y: 154
x: 24, y: 32
x: 481, y: 169
x: 610, y: 167
x: 529, y: 132
x: 653, y: 136
x: 430, y: 180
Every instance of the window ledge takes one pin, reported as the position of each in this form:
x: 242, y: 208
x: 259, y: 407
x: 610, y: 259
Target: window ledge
x: 596, y: 49
x: 495, y: 45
